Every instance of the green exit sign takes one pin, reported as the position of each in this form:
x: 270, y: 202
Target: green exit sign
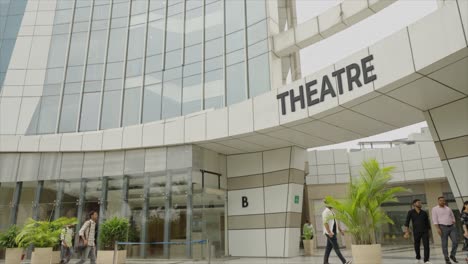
x: 296, y: 199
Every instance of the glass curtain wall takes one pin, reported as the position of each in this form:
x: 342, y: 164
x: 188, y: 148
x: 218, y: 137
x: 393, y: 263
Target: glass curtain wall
x: 137, y: 61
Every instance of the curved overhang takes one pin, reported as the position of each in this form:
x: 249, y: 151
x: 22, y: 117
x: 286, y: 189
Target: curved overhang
x: 332, y: 21
x: 421, y: 67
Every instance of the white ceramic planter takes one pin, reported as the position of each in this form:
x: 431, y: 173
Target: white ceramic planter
x: 13, y: 255
x: 366, y: 254
x: 41, y: 256
x: 107, y: 257
x: 309, y: 247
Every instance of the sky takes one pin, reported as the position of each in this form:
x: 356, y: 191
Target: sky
x: 326, y: 52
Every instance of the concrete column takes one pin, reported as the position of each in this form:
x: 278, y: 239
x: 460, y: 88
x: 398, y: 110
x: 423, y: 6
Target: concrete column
x: 265, y: 196
x: 449, y: 129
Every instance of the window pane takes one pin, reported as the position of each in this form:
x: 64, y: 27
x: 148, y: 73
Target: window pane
x: 77, y: 49
x: 257, y: 32
x: 135, y: 42
x: 155, y: 37
x: 58, y: 48
x: 172, y: 92
x: 259, y: 75
x: 89, y: 111
x: 69, y: 114
x: 110, y: 110
x: 117, y: 41
x: 256, y: 11
x: 131, y: 110
x: 175, y: 28
x: 152, y: 103
x: 97, y: 46
x: 235, y: 16
x: 235, y: 80
x: 214, y: 89
x: 48, y: 115
x: 214, y: 20
x: 192, y: 94
x: 194, y: 26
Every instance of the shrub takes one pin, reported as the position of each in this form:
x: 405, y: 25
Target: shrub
x: 113, y: 230
x: 7, y: 239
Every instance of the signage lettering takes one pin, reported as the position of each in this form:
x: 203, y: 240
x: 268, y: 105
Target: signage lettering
x: 311, y: 94
x: 245, y: 202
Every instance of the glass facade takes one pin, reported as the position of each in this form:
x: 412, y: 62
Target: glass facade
x: 116, y: 63
x: 154, y: 188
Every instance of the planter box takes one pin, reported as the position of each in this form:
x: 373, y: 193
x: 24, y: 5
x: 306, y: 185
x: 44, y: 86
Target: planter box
x: 41, y: 256
x: 107, y: 257
x: 309, y: 247
x: 55, y: 257
x: 366, y: 254
x: 13, y: 255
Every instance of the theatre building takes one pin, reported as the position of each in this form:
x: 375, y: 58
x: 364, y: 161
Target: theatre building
x: 192, y: 118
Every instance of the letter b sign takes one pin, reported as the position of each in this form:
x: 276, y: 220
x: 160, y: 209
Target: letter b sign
x: 245, y: 202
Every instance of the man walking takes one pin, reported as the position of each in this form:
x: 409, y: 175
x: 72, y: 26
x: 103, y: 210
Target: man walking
x: 87, y: 234
x: 329, y: 230
x: 444, y: 220
x: 66, y: 237
x: 421, y: 227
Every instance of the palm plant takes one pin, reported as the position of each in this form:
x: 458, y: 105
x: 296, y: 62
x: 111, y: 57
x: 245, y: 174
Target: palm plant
x: 7, y: 239
x: 361, y: 211
x: 42, y: 234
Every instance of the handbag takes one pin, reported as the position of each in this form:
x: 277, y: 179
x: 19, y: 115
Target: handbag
x: 81, y: 244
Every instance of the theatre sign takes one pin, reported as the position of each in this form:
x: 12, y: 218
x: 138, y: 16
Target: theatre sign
x: 311, y: 94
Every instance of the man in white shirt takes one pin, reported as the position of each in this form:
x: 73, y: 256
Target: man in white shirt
x: 329, y: 230
x: 87, y: 234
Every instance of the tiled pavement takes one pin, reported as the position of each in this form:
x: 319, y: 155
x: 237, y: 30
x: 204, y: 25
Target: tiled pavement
x: 391, y: 255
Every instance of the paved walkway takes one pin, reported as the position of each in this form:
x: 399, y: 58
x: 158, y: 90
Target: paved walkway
x: 391, y: 255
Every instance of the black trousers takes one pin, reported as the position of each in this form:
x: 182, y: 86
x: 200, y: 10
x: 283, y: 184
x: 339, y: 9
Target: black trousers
x: 332, y: 243
x: 417, y: 244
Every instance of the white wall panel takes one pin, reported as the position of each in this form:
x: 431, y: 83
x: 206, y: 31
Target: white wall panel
x: 217, y: 124
x: 276, y: 198
x: 292, y: 246
x: 295, y: 190
x: 329, y: 102
x: 391, y: 155
x: 299, y: 158
x: 326, y: 179
x: 28, y: 116
x: 195, y: 127
x: 428, y: 150
x: 9, y: 112
x: 174, y: 131
x: 92, y: 141
x: 50, y: 142
x: 9, y: 143
x: 112, y: 139
x: 299, y: 113
x: 447, y: 119
x: 326, y: 169
x: 275, y: 242
x: 410, y: 152
x: 325, y: 157
x: 275, y: 160
x: 71, y: 141
x: 19, y: 58
x: 39, y: 52
x: 340, y: 156
x: 241, y: 118
x: 459, y: 167
x: 437, y: 35
x: 255, y: 202
x: 132, y: 136
x: 254, y: 246
x: 153, y: 134
x: 265, y: 110
x: 244, y: 164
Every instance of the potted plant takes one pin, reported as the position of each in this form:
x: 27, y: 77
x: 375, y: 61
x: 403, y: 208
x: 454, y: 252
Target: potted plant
x: 308, y: 239
x: 361, y: 210
x: 43, y: 235
x: 111, y: 231
x: 7, y: 241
